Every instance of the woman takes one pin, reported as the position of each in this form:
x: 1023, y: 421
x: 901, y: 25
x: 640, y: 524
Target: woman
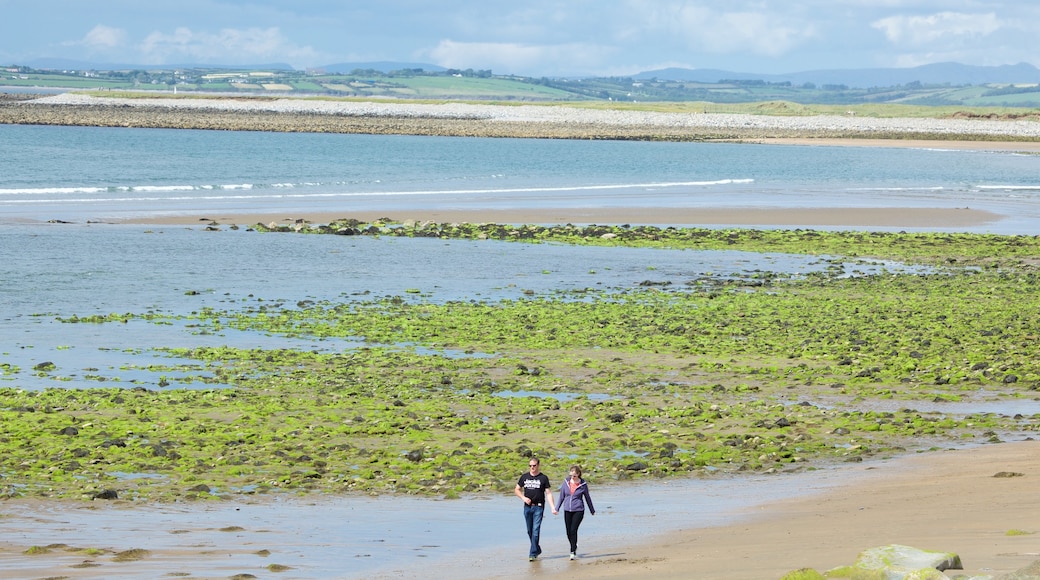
x: 574, y: 494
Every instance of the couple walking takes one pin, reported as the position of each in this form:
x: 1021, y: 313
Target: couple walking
x: 534, y: 489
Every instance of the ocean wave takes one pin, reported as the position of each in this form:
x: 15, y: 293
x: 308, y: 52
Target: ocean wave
x: 1009, y: 187
x: 265, y: 191
x: 118, y: 188
x: 900, y: 189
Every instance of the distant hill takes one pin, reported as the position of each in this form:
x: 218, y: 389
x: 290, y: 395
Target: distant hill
x: 72, y: 64
x: 931, y: 74
x: 947, y: 73
x: 381, y: 66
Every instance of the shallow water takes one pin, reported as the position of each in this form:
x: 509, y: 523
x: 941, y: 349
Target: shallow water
x: 59, y: 271
x: 388, y: 536
x: 100, y: 174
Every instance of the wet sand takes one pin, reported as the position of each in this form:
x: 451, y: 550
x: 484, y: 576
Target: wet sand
x: 942, y: 501
x: 946, y: 500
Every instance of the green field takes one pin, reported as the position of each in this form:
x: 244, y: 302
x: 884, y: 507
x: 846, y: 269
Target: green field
x: 486, y: 87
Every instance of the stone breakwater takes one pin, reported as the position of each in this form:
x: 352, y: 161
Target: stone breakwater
x: 478, y: 120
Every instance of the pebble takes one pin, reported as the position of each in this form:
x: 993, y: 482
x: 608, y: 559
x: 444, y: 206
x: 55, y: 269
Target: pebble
x: 540, y: 120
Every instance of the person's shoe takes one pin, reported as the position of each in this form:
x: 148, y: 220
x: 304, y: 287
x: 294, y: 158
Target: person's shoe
x: 574, y: 556
x: 532, y: 558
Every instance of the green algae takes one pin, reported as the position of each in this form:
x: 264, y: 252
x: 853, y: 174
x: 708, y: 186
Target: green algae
x: 771, y: 375
x: 1016, y: 532
x: 923, y: 247
x: 131, y: 555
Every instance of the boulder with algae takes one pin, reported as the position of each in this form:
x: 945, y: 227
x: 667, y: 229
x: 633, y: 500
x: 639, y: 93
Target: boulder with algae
x: 893, y: 562
x: 902, y: 562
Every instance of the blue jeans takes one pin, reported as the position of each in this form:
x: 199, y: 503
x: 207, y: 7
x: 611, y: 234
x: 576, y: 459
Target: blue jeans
x: 533, y: 517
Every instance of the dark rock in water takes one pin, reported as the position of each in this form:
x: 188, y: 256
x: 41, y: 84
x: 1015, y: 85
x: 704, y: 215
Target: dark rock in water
x: 70, y: 431
x: 637, y: 466
x: 414, y: 456
x: 106, y: 494
x: 45, y: 366
x: 200, y: 488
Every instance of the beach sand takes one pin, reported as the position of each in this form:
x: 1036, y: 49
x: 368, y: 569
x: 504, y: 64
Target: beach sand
x: 941, y: 501
x: 945, y: 500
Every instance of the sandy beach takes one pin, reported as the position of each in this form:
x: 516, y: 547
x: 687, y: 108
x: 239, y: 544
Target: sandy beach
x: 979, y: 503
x: 942, y: 501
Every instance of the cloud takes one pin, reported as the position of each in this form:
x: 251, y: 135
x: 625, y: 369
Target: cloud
x: 104, y: 37
x: 704, y: 29
x: 228, y: 46
x: 514, y: 58
x: 943, y: 28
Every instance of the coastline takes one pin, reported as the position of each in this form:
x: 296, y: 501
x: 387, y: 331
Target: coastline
x: 516, y: 121
x: 978, y: 502
x: 946, y: 500
x: 893, y: 217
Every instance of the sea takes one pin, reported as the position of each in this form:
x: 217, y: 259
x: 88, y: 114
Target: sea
x: 61, y: 255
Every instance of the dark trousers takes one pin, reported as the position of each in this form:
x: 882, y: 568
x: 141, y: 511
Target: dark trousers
x: 572, y: 520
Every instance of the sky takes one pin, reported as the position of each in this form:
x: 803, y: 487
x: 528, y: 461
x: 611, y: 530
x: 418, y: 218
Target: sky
x: 527, y: 37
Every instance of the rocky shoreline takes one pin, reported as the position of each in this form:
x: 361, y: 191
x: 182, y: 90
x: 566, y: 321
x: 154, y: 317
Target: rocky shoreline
x: 478, y: 120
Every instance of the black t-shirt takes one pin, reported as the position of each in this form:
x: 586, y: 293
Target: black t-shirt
x: 534, y: 487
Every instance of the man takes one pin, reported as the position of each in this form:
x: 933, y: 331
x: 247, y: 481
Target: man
x: 534, y: 489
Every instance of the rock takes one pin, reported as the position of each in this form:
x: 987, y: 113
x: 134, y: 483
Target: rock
x: 106, y: 494
x: 907, y: 563
x: 1030, y: 572
x: 803, y: 574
